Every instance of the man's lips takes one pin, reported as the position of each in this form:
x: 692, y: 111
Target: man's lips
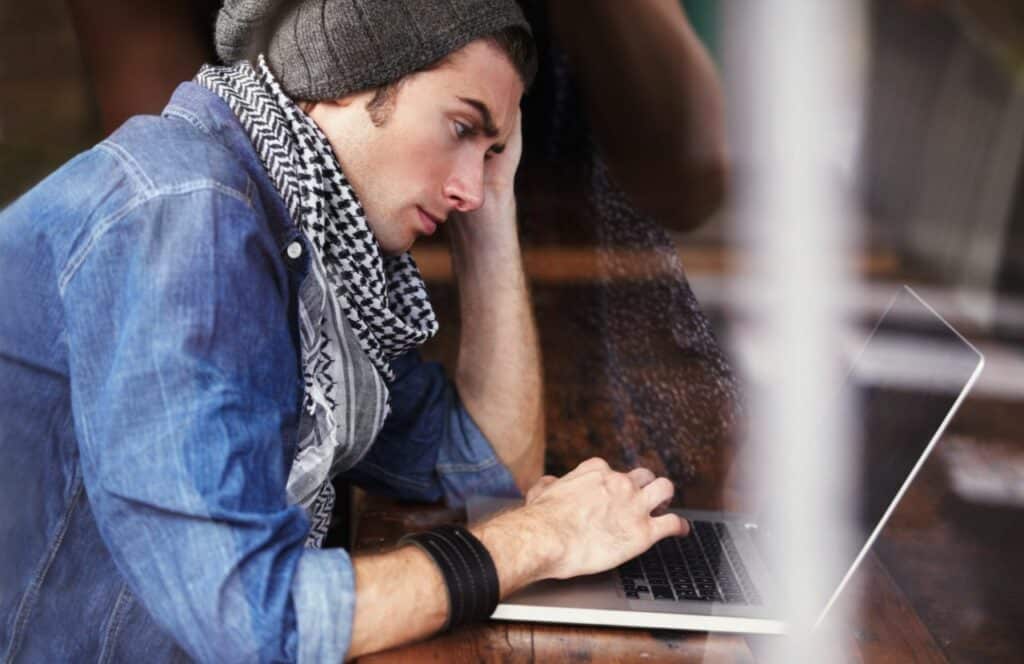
x: 430, y: 222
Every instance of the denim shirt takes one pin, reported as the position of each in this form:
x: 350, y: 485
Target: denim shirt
x: 149, y: 397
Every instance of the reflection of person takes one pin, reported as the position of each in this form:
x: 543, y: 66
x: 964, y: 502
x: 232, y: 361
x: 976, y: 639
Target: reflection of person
x: 213, y: 320
x: 653, y: 96
x: 653, y: 100
x: 625, y: 138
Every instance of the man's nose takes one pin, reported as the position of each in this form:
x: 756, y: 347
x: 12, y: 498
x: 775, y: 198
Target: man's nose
x: 464, y: 189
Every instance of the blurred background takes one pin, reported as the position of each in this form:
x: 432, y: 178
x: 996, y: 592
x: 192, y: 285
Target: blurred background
x: 632, y: 246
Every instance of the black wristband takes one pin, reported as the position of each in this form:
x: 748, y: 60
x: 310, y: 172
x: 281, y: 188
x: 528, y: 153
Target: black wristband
x: 470, y: 576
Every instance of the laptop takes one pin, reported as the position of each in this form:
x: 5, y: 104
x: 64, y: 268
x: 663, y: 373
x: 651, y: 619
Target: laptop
x: 909, y: 379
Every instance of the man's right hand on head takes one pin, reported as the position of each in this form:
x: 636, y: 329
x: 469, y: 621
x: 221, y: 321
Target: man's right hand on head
x: 600, y: 517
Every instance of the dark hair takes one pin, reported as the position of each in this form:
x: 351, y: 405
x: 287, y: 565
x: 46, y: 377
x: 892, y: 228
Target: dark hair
x: 515, y: 42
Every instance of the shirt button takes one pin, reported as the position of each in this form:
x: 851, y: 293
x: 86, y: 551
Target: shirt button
x: 294, y: 250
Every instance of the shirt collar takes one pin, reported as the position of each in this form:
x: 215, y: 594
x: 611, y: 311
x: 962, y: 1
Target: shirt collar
x: 208, y: 113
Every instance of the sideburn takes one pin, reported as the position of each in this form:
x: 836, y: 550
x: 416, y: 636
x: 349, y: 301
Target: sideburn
x: 382, y: 105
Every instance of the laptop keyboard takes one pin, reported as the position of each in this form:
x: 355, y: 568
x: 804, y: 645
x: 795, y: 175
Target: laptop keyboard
x: 703, y: 566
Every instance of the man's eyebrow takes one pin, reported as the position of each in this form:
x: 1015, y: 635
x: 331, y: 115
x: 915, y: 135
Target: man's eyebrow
x: 489, y: 129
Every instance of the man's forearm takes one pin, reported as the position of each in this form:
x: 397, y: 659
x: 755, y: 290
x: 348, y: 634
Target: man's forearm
x: 588, y: 521
x: 499, y: 372
x: 400, y: 595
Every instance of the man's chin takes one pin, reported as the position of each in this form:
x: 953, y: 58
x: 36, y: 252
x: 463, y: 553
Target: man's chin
x: 396, y: 248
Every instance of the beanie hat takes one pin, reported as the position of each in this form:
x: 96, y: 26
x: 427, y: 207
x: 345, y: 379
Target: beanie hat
x: 327, y: 49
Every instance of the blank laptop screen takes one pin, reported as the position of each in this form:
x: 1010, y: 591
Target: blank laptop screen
x: 907, y: 379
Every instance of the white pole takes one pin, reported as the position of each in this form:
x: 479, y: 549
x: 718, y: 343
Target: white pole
x: 794, y: 102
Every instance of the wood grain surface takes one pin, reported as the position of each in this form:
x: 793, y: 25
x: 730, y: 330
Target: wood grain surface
x: 886, y: 628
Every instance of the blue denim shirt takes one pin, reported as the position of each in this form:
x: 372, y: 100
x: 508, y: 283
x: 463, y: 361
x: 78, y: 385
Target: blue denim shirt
x: 149, y: 396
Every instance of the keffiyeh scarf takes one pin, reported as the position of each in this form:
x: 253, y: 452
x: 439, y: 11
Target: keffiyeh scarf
x: 355, y: 304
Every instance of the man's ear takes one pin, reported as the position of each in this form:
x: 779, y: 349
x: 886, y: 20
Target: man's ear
x: 344, y: 102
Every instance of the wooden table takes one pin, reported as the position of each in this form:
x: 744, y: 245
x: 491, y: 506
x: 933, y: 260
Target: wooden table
x: 887, y: 629
x: 592, y: 408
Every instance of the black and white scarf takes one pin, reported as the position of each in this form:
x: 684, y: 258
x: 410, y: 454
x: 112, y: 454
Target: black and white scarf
x: 351, y: 290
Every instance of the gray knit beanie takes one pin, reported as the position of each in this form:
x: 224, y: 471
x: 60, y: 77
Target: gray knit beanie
x: 326, y: 49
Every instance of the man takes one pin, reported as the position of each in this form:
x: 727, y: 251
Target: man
x: 210, y: 315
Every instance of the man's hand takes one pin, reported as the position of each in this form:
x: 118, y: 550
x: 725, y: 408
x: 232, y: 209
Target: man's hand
x: 499, y: 206
x: 603, y: 517
x: 500, y: 170
x: 588, y: 521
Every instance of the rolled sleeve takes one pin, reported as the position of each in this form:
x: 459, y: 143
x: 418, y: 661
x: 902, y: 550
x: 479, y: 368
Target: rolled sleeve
x: 324, y: 593
x: 185, y: 387
x: 430, y: 448
x: 467, y: 464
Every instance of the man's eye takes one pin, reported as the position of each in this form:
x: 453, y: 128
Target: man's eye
x: 463, y: 130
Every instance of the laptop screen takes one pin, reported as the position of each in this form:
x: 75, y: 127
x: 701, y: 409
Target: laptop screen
x: 908, y: 379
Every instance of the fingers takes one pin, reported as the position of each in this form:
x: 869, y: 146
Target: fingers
x: 514, y: 145
x: 590, y: 465
x: 669, y: 525
x: 517, y: 129
x: 657, y: 492
x: 641, y: 477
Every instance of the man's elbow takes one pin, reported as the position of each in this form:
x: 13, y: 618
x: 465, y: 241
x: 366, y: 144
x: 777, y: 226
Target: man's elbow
x: 529, y: 466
